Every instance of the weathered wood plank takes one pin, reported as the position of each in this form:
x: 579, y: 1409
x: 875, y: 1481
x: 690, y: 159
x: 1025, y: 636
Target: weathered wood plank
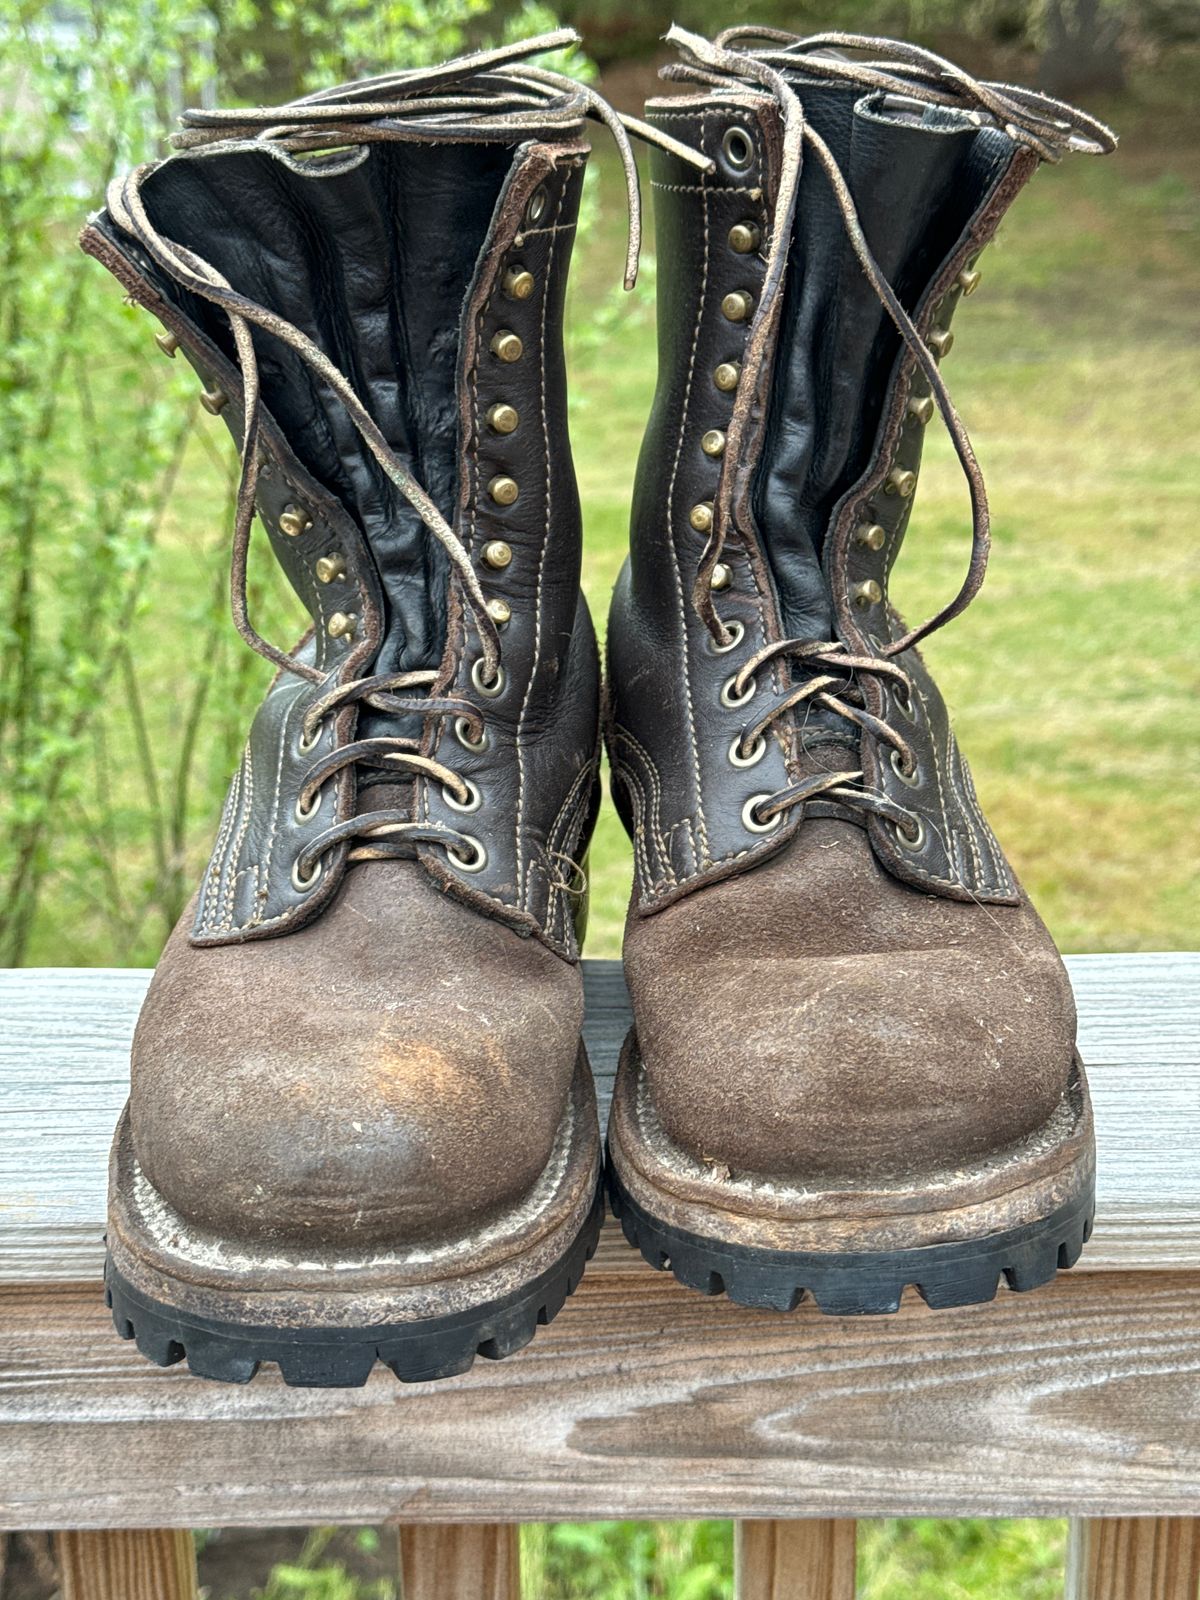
x: 460, y: 1561
x: 64, y: 1040
x: 121, y: 1564
x: 1134, y: 1558
x: 643, y: 1399
x: 811, y: 1559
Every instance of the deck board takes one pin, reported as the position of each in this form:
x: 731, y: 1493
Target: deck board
x: 64, y: 1050
x: 642, y: 1399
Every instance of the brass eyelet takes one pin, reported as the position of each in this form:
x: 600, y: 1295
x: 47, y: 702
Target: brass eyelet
x: 473, y: 801
x: 488, y: 690
x: 475, y: 862
x: 737, y: 632
x: 303, y: 884
x: 506, y: 345
x: 536, y: 209
x: 913, y: 842
x: 462, y: 732
x: 911, y: 779
x: 744, y: 237
x: 306, y: 813
x: 754, y: 824
x: 748, y: 758
x: 904, y: 703
x: 305, y: 744
x: 730, y: 696
x: 738, y: 148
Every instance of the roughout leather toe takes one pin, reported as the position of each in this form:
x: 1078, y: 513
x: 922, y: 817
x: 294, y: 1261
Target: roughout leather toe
x: 818, y: 1019
x: 291, y: 1090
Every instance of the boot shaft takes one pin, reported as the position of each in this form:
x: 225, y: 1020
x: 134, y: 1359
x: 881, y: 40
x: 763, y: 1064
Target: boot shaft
x: 806, y: 290
x: 400, y: 275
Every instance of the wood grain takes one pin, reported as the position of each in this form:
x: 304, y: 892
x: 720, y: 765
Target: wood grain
x: 813, y: 1559
x: 460, y: 1561
x: 1134, y: 1558
x: 64, y: 1049
x: 150, y: 1564
x: 643, y: 1399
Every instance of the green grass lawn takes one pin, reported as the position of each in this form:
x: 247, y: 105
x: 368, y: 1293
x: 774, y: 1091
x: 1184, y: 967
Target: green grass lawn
x: 1072, y: 678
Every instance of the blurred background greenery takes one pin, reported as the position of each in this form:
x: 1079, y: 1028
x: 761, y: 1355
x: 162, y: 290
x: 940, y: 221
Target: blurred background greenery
x: 124, y: 693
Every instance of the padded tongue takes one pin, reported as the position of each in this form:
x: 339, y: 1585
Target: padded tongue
x: 373, y: 264
x: 916, y: 179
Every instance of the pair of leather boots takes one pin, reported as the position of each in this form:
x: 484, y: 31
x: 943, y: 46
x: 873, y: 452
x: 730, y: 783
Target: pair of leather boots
x: 362, y: 1124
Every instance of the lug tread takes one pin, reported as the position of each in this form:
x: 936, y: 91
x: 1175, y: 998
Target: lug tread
x: 863, y: 1283
x: 422, y: 1353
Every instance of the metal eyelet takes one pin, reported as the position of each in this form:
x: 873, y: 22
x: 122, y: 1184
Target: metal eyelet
x: 473, y: 801
x: 749, y: 758
x: 904, y: 703
x: 738, y: 148
x: 754, y: 824
x: 462, y: 732
x: 488, y: 690
x: 306, y: 745
x: 912, y: 842
x: 300, y: 883
x: 536, y: 209
x: 737, y: 632
x: 913, y: 778
x: 306, y: 814
x: 730, y: 696
x: 475, y: 862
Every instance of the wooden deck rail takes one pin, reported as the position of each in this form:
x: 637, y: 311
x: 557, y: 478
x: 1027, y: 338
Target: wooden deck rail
x: 643, y: 1399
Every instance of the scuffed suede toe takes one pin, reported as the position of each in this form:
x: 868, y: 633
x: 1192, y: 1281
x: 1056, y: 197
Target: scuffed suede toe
x: 817, y: 1019
x: 374, y: 1078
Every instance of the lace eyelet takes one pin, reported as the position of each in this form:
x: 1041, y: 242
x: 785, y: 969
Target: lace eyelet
x: 306, y: 745
x: 911, y: 779
x: 737, y: 632
x: 473, y: 801
x: 306, y: 814
x: 738, y: 148
x: 488, y: 690
x: 300, y: 883
x: 747, y: 758
x: 913, y: 842
x: 754, y: 824
x: 475, y: 862
x: 904, y: 703
x: 730, y: 696
x: 462, y: 732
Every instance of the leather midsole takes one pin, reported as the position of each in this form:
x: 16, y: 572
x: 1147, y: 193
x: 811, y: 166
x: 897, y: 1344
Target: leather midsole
x: 1008, y: 1188
x: 193, y: 1270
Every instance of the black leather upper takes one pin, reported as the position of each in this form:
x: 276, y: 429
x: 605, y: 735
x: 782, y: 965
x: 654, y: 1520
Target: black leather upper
x: 396, y: 268
x: 915, y: 185
x: 827, y: 427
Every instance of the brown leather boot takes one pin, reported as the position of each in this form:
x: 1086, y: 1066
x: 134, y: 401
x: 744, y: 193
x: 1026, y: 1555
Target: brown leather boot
x: 362, y: 1124
x: 853, y: 1065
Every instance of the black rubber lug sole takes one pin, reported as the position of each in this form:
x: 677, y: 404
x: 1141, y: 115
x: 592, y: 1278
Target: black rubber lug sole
x: 342, y: 1358
x: 868, y: 1282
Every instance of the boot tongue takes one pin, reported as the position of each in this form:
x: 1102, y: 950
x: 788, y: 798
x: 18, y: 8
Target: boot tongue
x: 373, y: 264
x: 915, y: 181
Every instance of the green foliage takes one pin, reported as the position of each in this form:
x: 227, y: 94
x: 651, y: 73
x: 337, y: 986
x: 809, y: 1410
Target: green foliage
x: 310, y: 1578
x: 627, y: 1561
x: 89, y: 451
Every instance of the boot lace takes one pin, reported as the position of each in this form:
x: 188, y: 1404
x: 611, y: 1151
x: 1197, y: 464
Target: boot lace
x: 492, y: 96
x: 759, y: 58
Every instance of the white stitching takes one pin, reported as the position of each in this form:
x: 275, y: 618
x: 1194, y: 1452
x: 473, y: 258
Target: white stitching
x: 676, y: 566
x: 522, y: 887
